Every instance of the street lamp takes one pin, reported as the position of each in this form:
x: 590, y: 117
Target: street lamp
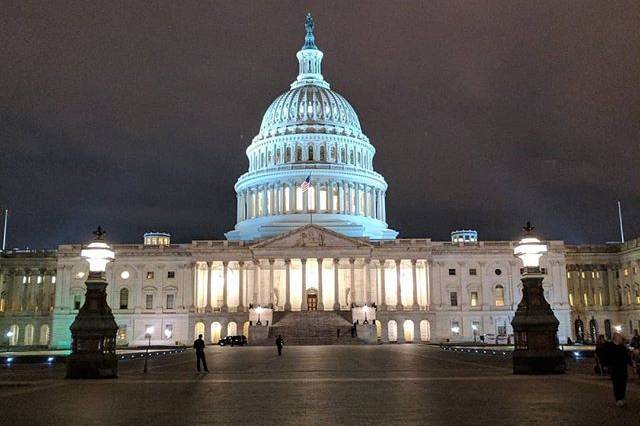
x: 93, y: 332
x: 9, y: 336
x: 455, y: 330
x: 534, y: 324
x: 147, y: 333
x: 475, y: 332
x: 365, y: 308
x: 259, y: 311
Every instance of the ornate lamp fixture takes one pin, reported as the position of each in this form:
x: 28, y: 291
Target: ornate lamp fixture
x: 93, y: 332
x: 534, y: 324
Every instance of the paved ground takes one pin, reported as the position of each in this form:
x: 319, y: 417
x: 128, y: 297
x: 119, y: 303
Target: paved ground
x: 395, y: 384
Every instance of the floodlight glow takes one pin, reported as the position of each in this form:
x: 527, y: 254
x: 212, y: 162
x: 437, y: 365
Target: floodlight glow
x: 50, y: 359
x: 455, y: 329
x: 474, y: 327
x: 10, y: 359
x: 618, y: 328
x: 98, y: 254
x: 149, y: 330
x: 10, y: 334
x: 530, y: 250
x: 167, y: 333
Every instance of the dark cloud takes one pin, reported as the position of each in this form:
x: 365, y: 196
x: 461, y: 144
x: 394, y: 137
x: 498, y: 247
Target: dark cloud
x: 483, y: 114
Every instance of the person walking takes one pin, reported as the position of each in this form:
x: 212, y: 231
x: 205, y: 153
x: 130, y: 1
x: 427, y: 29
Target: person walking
x: 198, y: 345
x: 617, y: 360
x: 279, y: 344
x: 635, y: 340
x: 601, y: 348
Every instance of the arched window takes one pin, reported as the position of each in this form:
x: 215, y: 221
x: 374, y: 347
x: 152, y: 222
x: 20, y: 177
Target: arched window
x: 332, y: 156
x: 499, y: 290
x: 215, y: 332
x: 15, y: 335
x: 245, y: 329
x: 579, y: 330
x: 425, y: 331
x: 278, y: 156
x: 269, y: 158
x: 28, y: 335
x: 44, y: 335
x: 310, y: 153
x: 408, y: 330
x: 323, y: 154
x: 124, y: 299
x: 350, y: 157
x: 287, y: 155
x: 392, y: 331
x: 298, y: 153
x: 232, y: 329
x: 593, y: 329
x: 199, y: 329
x: 343, y: 157
x: 359, y: 159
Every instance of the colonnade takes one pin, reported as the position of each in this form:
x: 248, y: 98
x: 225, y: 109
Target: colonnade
x: 27, y: 290
x: 324, y: 196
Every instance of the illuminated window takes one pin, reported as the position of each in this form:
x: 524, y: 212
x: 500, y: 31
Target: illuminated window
x: 626, y: 272
x: 638, y: 297
x: 336, y: 198
x: 499, y: 295
x: 287, y: 207
x: 452, y: 271
x: 453, y: 298
x: 473, y: 271
x: 600, y: 297
x: 259, y: 207
x: 2, y: 304
x: 39, y: 279
x: 168, y: 331
x: 24, y: 279
x: 53, y: 279
x: 571, y: 299
x: 124, y: 299
x: 352, y: 200
x: 171, y: 274
x: 298, y: 199
x: 628, y: 297
x: 582, y: 275
x: 362, y: 203
x: 597, y: 274
x: 269, y: 197
x: 150, y: 275
x: 170, y: 299
x: 593, y: 274
x: 474, y: 298
x: 311, y: 200
x: 568, y: 274
x: 585, y: 297
x: 149, y: 301
x: 323, y: 198
x: 455, y: 328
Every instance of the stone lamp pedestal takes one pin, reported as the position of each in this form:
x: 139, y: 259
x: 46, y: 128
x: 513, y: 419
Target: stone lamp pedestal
x: 536, y: 330
x: 93, y: 335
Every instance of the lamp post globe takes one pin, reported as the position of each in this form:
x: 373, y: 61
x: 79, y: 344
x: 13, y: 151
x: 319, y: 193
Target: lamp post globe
x: 93, y: 332
x: 534, y: 324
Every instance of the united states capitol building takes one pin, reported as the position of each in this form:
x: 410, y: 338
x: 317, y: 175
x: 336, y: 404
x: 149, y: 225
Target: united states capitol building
x: 312, y: 253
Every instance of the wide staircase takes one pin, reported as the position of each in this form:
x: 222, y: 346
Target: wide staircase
x: 313, y: 328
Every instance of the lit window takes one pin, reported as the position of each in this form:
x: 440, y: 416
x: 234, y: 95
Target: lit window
x: 600, y: 297
x: 311, y: 200
x: 597, y: 274
x: 582, y: 275
x: 39, y: 279
x: 593, y: 274
x: 455, y: 328
x: 149, y: 301
x: 585, y: 297
x: 571, y: 299
x: 568, y: 274
x: 474, y: 298
x: 149, y: 275
x: 171, y: 274
x: 287, y: 208
x: 170, y: 298
x: 298, y: 199
x: 452, y: 271
x: 473, y: 271
x: 24, y: 279
x: 499, y: 295
x: 638, y: 297
x: 29, y: 279
x: 323, y: 198
x: 168, y: 331
x: 626, y: 272
x: 453, y: 298
x: 53, y: 279
x: 124, y: 275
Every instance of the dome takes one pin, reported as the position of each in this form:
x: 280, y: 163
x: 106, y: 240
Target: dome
x: 313, y: 108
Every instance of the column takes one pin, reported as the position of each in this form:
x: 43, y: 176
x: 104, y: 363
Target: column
x: 414, y: 277
x: 292, y: 197
x: 287, y: 303
x: 399, y: 305
x: 330, y: 196
x: 383, y: 290
x: 241, y: 286
x: 384, y: 208
x: 613, y: 300
x: 264, y: 200
x: 256, y: 282
x: 341, y: 192
x: 194, y: 287
x: 357, y: 198
x: 270, y: 298
x: 316, y: 191
x: 225, y: 283
x: 320, y: 299
x: 352, y: 273
x: 281, y: 189
x: 209, y: 281
x: 336, y: 285
x: 238, y: 207
x: 303, y: 286
x: 367, y: 281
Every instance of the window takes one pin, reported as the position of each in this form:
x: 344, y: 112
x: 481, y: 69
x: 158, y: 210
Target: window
x: 455, y: 328
x: 149, y: 301
x: 310, y: 153
x: 122, y: 333
x: 171, y: 274
x: 585, y: 297
x: 626, y: 272
x: 638, y: 296
x: 474, y: 298
x: 77, y: 300
x: 124, y: 299
x: 568, y: 274
x: 24, y: 279
x: 53, y: 279
x: 499, y: 295
x: 323, y: 155
x: 39, y: 279
x: 501, y: 328
x: 473, y: 271
x: 150, y: 275
x: 298, y: 154
x: 498, y: 272
x: 168, y: 331
x: 475, y: 327
x: 2, y: 304
x: 593, y: 274
x: 453, y: 297
x: 170, y: 298
x: 452, y: 271
x: 600, y: 297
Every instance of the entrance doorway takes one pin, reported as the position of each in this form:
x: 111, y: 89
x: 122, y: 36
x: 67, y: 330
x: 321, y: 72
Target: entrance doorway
x: 312, y: 302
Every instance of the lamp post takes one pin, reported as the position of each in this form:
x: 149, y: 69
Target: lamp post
x: 259, y: 311
x: 9, y: 336
x: 93, y: 332
x: 534, y: 324
x: 475, y: 332
x: 365, y: 308
x: 148, y: 333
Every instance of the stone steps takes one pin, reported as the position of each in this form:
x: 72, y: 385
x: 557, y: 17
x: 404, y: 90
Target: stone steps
x: 313, y: 328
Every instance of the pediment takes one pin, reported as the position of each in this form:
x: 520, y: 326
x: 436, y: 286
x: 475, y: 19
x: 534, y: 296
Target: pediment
x: 312, y: 236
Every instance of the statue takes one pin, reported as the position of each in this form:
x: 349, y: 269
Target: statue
x: 309, y: 39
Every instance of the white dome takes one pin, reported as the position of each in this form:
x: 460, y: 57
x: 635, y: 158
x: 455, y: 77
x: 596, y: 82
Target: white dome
x: 310, y: 108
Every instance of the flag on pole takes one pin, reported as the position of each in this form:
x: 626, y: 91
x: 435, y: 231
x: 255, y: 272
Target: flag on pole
x: 306, y: 184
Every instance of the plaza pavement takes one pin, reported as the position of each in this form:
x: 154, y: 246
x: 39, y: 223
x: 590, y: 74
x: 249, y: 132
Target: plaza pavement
x: 389, y: 384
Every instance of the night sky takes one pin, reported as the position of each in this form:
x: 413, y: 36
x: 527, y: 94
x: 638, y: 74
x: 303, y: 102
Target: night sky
x: 483, y: 114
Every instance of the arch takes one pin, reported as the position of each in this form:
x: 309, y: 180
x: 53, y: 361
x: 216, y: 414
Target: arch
x: 425, y: 331
x: 232, y: 329
x: 499, y: 295
x: 579, y: 330
x: 298, y: 153
x: 15, y: 336
x: 323, y: 154
x: 124, y: 298
x: 44, y: 335
x: 245, y: 329
x: 407, y: 327
x: 215, y: 332
x: 310, y: 153
x: 198, y: 329
x: 392, y: 331
x: 378, y: 330
x: 593, y: 329
x: 29, y: 331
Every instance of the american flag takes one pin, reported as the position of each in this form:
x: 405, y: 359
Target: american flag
x: 306, y: 184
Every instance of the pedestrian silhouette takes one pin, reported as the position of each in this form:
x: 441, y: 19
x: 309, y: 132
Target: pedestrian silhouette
x: 618, y: 360
x: 198, y: 345
x: 279, y: 344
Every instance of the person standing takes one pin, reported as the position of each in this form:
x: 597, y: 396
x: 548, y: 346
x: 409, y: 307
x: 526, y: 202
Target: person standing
x: 618, y: 360
x: 198, y: 345
x: 635, y: 340
x: 279, y: 344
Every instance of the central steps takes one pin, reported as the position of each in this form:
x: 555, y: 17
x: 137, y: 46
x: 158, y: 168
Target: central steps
x: 313, y: 328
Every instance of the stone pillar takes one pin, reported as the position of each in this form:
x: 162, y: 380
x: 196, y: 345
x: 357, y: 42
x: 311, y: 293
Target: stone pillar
x: 264, y: 200
x: 241, y: 286
x: 281, y: 189
x: 209, y: 281
x: 357, y: 196
x: 399, y: 305
x: 352, y: 273
x: 287, y: 303
x: 330, y: 206
x: 384, y: 208
x: 383, y: 290
x: 194, y: 287
x: 336, y: 285
x: 305, y: 201
x: 303, y: 303
x: 367, y: 281
x: 225, y: 285
x: 256, y: 282
x: 292, y: 197
x: 316, y: 191
x: 414, y: 277
x: 320, y: 293
x: 341, y: 196
x: 271, y: 262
